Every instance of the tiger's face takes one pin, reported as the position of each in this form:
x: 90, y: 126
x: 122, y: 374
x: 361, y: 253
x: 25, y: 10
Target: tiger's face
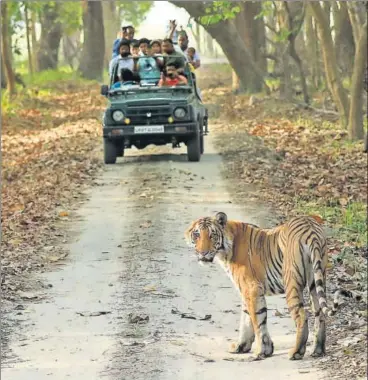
x: 207, y: 236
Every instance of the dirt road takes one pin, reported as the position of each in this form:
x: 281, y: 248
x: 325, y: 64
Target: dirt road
x: 128, y: 255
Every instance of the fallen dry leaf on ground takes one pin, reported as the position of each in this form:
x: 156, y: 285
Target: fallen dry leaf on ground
x: 48, y: 155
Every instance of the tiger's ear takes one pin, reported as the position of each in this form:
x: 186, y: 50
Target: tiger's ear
x: 221, y: 217
x: 318, y: 219
x: 189, y: 230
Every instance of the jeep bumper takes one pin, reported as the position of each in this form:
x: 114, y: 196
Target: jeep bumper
x: 181, y: 129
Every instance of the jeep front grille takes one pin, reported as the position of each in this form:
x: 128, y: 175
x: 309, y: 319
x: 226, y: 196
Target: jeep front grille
x: 149, y: 115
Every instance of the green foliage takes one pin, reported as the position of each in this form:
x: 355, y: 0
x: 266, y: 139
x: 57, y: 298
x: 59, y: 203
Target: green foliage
x: 282, y: 35
x: 71, y: 13
x: 14, y: 11
x: 220, y: 11
x: 349, y: 223
x: 133, y: 12
x: 38, y: 86
x: 267, y: 9
x: 48, y: 78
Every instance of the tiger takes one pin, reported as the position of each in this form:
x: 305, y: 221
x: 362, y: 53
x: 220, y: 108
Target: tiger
x: 260, y: 262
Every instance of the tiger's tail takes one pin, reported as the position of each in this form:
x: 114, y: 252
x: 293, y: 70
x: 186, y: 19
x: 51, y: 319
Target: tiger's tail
x: 339, y: 296
x: 319, y: 279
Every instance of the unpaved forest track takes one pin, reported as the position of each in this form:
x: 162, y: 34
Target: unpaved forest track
x: 128, y: 255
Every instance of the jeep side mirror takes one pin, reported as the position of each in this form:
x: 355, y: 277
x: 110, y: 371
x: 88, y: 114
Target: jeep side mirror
x: 104, y: 90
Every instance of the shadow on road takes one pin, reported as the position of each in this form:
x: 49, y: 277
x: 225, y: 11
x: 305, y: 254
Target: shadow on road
x: 164, y: 158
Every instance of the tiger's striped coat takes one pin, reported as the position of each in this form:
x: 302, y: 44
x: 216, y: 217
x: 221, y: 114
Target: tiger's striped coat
x: 259, y: 262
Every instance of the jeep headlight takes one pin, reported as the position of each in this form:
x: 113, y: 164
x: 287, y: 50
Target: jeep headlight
x: 118, y: 116
x: 180, y: 113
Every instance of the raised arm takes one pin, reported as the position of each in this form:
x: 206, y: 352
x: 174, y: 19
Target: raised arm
x: 172, y: 29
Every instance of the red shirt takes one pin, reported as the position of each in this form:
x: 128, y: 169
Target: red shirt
x: 173, y: 82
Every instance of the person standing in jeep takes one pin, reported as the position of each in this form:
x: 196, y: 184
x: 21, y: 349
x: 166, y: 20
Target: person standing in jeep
x: 168, y: 51
x: 126, y: 33
x: 183, y: 42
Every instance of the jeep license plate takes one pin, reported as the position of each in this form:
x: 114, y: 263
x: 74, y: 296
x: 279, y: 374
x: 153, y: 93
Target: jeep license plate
x: 149, y: 129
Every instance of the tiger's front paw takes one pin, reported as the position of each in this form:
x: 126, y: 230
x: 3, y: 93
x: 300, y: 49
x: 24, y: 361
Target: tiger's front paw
x: 240, y: 348
x: 266, y: 349
x: 297, y: 354
x: 318, y: 351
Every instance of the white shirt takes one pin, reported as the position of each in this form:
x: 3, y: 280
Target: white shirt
x: 196, y: 57
x: 178, y: 50
x: 127, y: 63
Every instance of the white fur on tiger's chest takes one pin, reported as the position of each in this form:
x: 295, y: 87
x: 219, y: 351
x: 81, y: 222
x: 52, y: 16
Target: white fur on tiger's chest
x: 225, y: 266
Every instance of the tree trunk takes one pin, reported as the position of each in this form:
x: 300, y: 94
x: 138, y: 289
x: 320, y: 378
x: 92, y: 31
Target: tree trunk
x: 250, y: 75
x: 209, y: 45
x: 327, y: 9
x: 92, y: 60
x: 329, y: 57
x: 344, y: 39
x: 235, y: 83
x: 29, y: 51
x: 253, y: 33
x: 34, y: 40
x: 199, y: 36
x: 300, y: 46
x: 226, y: 34
x: 5, y: 49
x: 286, y: 85
x: 51, y: 32
x: 71, y: 48
x: 312, y: 50
x: 4, y: 82
x: 355, y: 129
x: 296, y: 15
x: 354, y: 20
x: 111, y: 24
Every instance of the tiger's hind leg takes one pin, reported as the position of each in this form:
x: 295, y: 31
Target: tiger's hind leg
x: 257, y: 308
x: 246, y: 334
x: 319, y: 345
x: 294, y: 299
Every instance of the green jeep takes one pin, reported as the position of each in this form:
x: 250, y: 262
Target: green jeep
x: 143, y: 114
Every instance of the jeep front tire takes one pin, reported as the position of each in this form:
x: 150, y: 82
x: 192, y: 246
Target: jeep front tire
x: 202, y: 144
x: 110, y: 152
x: 194, y: 148
x: 120, y: 149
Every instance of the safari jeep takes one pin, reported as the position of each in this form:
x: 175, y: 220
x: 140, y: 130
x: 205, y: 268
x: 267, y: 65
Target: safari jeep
x: 143, y: 114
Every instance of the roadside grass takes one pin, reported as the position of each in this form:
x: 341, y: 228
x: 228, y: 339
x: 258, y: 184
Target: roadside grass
x: 40, y: 87
x: 219, y: 67
x: 50, y: 99
x: 349, y: 223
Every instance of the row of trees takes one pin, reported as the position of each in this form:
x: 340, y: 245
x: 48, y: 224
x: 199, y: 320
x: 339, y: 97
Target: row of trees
x: 306, y: 45
x: 321, y: 43
x: 63, y: 25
